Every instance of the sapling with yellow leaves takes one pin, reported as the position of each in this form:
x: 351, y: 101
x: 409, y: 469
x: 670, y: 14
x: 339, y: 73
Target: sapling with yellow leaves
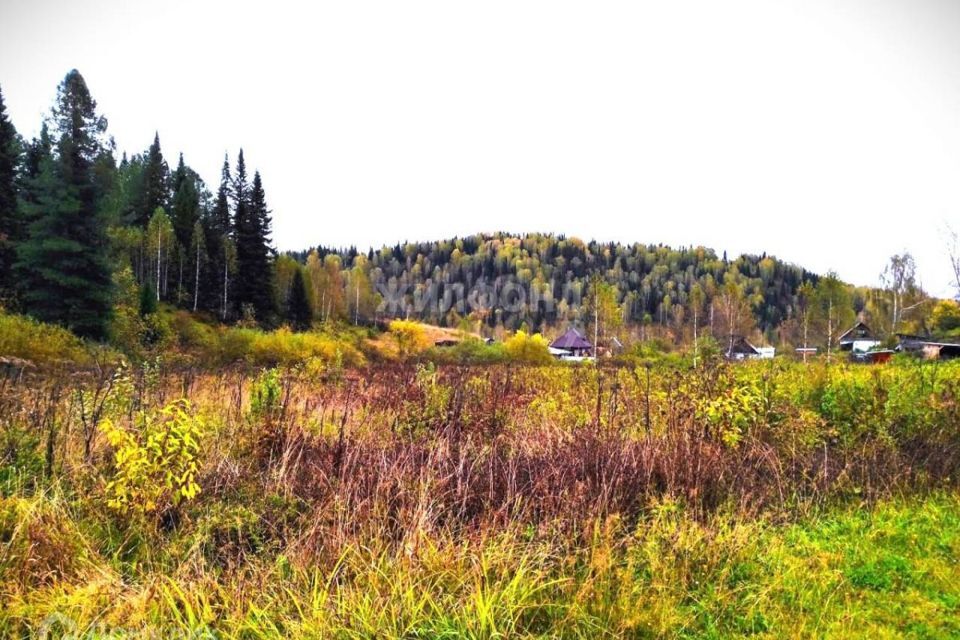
x: 155, y: 463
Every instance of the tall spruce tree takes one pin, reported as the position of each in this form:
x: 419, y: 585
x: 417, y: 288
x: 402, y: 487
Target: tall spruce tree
x: 10, y: 227
x: 254, y: 253
x: 105, y: 176
x: 129, y: 191
x: 63, y: 260
x: 218, y: 228
x: 155, y: 186
x: 266, y: 300
x: 39, y: 150
x: 298, y: 306
x: 240, y: 193
x: 185, y: 206
x: 185, y: 214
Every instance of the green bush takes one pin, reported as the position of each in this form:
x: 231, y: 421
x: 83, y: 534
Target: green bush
x: 284, y: 347
x: 266, y: 396
x: 468, y: 351
x: 41, y: 343
x: 226, y: 535
x: 219, y: 345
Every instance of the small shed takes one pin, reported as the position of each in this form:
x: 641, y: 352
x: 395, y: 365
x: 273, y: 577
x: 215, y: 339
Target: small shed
x: 928, y: 348
x: 572, y: 343
x: 858, y: 338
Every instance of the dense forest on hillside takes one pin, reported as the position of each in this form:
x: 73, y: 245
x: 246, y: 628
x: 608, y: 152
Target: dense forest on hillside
x: 655, y: 284
x: 95, y: 243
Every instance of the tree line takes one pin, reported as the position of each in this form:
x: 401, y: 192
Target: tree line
x: 86, y: 239
x: 634, y: 291
x: 78, y: 227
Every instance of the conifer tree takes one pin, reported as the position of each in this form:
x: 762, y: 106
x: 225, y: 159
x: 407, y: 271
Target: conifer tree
x: 241, y: 291
x: 221, y: 210
x: 155, y: 183
x: 218, y: 228
x: 38, y: 149
x: 10, y: 227
x: 240, y: 192
x: 298, y: 306
x: 185, y: 205
x: 128, y: 191
x: 148, y: 299
x: 229, y: 271
x: 185, y: 210
x: 37, y: 152
x: 254, y: 285
x: 63, y: 260
x: 265, y: 254
x: 105, y: 176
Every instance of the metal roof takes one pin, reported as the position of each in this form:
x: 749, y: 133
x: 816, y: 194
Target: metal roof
x: 571, y: 340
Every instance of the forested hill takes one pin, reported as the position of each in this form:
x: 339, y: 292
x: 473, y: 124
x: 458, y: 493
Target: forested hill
x: 538, y: 279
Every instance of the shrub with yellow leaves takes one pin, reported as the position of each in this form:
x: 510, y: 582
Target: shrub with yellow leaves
x: 155, y: 464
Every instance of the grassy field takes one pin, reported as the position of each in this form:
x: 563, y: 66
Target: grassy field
x: 413, y: 501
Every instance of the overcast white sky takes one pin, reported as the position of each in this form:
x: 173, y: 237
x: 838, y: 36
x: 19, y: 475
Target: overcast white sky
x: 826, y: 132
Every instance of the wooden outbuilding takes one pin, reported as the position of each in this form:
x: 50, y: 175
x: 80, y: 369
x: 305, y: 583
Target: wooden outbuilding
x: 928, y: 348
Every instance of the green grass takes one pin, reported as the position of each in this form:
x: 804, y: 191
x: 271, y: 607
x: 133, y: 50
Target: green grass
x: 887, y: 571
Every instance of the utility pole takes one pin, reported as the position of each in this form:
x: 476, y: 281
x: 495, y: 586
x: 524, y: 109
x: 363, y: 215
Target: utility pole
x: 806, y: 346
x: 647, y: 400
x: 829, y: 330
x: 596, y: 326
